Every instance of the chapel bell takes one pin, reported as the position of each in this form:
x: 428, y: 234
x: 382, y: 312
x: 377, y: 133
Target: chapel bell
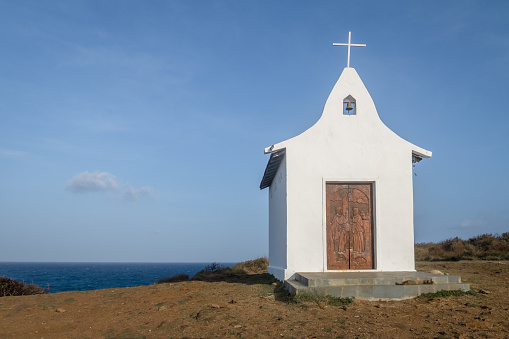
x: 348, y: 107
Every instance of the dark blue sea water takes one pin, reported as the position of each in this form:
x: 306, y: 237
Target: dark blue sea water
x: 61, y: 277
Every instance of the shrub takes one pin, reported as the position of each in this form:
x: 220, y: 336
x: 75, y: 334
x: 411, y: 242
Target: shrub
x: 256, y: 266
x: 9, y: 287
x: 484, y: 247
x: 214, y: 267
x: 250, y: 272
x: 173, y: 279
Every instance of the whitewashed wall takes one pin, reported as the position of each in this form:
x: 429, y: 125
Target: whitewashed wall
x: 342, y: 148
x: 277, y: 222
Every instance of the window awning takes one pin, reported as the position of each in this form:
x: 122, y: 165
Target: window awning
x: 272, y: 167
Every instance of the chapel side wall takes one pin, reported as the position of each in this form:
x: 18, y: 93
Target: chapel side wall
x: 278, y: 222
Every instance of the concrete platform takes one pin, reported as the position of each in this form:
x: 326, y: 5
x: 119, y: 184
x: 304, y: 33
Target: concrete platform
x: 372, y: 285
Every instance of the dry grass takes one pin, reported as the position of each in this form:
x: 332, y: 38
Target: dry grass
x: 481, y: 247
x: 252, y: 271
x: 255, y: 266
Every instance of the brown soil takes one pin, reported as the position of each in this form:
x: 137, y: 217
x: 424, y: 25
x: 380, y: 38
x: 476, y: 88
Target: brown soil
x: 249, y: 309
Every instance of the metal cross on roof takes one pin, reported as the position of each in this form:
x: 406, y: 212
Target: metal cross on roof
x: 349, y: 44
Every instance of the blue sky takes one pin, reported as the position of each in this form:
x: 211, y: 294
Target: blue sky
x: 134, y: 130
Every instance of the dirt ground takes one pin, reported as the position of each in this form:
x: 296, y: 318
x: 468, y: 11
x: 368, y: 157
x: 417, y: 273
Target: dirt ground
x: 197, y: 309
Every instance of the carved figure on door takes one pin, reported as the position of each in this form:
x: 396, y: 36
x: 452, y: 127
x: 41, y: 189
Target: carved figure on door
x: 359, y: 242
x: 339, y: 226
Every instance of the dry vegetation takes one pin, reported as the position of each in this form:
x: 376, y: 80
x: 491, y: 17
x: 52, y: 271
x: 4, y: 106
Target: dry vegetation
x: 481, y: 247
x: 252, y: 271
x: 9, y: 287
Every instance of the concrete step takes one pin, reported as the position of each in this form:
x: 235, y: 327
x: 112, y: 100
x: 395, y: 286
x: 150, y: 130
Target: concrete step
x: 315, y: 279
x: 372, y: 285
x: 373, y: 292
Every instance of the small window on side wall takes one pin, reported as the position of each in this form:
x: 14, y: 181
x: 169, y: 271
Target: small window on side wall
x: 349, y: 106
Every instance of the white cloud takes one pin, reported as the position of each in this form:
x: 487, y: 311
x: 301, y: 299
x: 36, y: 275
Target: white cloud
x: 104, y: 182
x: 92, y: 182
x: 132, y: 194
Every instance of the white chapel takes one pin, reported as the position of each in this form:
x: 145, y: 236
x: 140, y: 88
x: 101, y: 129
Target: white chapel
x: 341, y: 193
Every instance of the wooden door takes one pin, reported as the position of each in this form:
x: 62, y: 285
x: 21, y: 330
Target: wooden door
x: 349, y: 216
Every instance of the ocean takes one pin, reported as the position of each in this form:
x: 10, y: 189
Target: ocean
x: 61, y: 277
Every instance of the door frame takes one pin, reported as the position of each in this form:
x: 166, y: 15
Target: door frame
x: 374, y: 195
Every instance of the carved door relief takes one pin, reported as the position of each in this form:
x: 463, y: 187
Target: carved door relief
x: 349, y: 217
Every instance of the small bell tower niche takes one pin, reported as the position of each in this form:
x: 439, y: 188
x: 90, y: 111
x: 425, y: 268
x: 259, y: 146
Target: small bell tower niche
x: 349, y: 106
